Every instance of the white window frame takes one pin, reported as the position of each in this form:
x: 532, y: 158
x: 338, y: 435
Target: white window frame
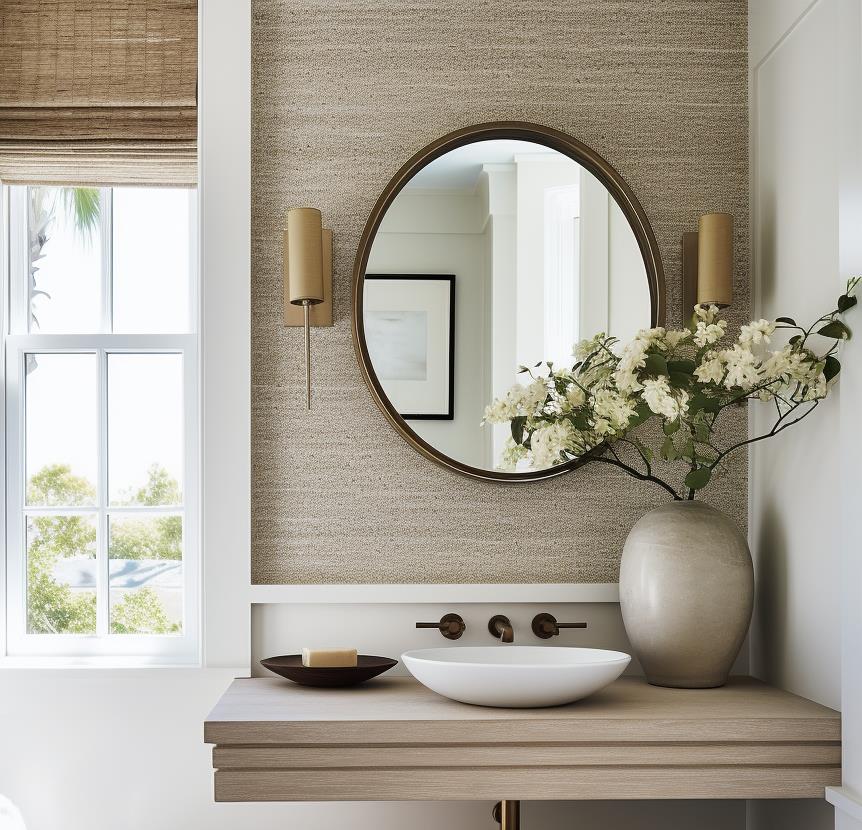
x: 181, y: 649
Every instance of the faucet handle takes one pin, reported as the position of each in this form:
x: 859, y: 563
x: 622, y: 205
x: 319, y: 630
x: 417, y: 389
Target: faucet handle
x: 546, y: 626
x: 451, y: 626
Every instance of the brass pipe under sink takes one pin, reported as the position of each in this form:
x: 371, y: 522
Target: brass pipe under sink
x: 507, y: 814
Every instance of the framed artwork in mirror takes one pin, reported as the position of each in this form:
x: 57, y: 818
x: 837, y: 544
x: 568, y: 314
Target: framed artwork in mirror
x: 410, y: 334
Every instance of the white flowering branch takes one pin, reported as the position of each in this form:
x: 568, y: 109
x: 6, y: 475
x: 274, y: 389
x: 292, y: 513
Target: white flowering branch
x: 684, y: 378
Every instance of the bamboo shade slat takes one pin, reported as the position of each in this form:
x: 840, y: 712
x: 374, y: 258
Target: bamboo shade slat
x: 98, y: 91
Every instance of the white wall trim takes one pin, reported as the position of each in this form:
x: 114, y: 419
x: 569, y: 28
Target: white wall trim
x: 849, y: 39
x: 224, y: 185
x: 845, y: 800
x: 436, y: 594
x: 787, y: 32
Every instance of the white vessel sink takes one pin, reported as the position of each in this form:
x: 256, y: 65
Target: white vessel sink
x: 515, y: 676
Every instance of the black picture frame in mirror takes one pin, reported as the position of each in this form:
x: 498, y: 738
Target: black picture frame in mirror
x: 445, y: 405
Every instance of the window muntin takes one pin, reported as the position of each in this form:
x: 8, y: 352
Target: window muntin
x: 102, y: 428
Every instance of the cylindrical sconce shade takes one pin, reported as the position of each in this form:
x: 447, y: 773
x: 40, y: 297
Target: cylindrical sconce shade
x: 303, y: 240
x: 715, y: 259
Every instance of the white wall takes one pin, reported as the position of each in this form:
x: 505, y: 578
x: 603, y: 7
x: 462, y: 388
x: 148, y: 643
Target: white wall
x: 440, y: 232
x: 795, y: 521
x: 798, y: 124
x: 628, y: 289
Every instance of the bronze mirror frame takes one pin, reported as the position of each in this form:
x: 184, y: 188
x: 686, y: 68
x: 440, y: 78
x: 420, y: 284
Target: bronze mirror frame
x: 521, y: 131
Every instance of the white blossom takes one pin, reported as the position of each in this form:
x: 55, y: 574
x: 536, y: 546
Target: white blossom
x: 711, y: 369
x: 708, y: 333
x: 549, y: 441
x: 676, y: 336
x: 575, y: 396
x: 658, y: 397
x: 707, y: 313
x: 742, y: 368
x: 632, y: 359
x: 778, y: 363
x: 758, y: 331
x: 585, y: 348
x: 613, y: 408
x: 512, y: 453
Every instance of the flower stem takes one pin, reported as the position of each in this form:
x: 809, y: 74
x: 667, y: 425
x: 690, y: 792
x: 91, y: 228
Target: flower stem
x: 640, y: 476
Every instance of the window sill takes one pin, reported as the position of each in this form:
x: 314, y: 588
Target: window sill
x: 90, y: 663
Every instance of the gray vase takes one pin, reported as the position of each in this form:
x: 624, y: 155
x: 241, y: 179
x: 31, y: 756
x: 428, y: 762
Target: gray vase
x: 686, y: 594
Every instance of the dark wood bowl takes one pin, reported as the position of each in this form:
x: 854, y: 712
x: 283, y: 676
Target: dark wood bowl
x: 290, y: 666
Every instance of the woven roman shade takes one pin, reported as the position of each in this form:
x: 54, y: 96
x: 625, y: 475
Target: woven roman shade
x: 98, y: 91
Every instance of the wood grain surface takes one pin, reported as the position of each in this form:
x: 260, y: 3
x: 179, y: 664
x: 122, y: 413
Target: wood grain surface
x: 393, y: 739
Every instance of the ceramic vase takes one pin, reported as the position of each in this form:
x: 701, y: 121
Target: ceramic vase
x: 686, y: 594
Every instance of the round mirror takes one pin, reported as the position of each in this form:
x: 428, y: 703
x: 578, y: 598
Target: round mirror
x: 496, y: 247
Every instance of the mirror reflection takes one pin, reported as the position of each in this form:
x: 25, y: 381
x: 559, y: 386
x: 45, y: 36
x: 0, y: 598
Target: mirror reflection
x: 495, y: 255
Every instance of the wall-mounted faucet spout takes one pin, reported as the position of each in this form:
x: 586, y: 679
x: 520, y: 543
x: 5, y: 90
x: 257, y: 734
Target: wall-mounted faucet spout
x: 501, y: 628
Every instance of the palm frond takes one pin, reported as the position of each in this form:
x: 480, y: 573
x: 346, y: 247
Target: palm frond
x: 86, y: 209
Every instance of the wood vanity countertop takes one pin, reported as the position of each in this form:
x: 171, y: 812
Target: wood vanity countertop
x: 393, y: 739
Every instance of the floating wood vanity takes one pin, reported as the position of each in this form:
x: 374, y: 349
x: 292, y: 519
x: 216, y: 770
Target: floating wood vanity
x: 393, y: 739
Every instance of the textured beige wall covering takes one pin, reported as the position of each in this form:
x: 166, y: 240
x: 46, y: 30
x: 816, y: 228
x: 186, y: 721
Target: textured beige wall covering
x: 344, y: 91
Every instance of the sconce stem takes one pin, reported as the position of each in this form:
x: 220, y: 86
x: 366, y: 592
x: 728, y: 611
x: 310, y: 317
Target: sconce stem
x: 306, y: 307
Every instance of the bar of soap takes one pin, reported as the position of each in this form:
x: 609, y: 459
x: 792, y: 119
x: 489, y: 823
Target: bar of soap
x: 329, y: 658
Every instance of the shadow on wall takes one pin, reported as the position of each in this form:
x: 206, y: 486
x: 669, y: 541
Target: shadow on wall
x: 634, y: 815
x: 812, y: 814
x: 766, y: 268
x: 769, y: 626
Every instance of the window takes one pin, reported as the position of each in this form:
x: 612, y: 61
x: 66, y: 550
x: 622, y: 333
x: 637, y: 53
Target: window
x: 101, y: 422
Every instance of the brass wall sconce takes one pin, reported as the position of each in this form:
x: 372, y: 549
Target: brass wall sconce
x: 707, y: 263
x: 307, y: 269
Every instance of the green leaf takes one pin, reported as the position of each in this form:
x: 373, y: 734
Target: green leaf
x: 670, y: 427
x: 698, y: 478
x: 680, y: 380
x: 646, y: 452
x: 518, y: 428
x: 701, y: 433
x: 702, y: 403
x: 696, y: 403
x: 795, y: 339
x: 789, y: 320
x: 687, y: 450
x: 580, y: 421
x: 846, y: 302
x: 685, y: 366
x: 655, y: 365
x: 642, y: 413
x: 835, y: 330
x: 668, y: 450
x: 832, y: 367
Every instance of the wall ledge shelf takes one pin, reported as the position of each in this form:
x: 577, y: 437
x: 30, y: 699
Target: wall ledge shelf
x: 437, y: 594
x: 393, y: 740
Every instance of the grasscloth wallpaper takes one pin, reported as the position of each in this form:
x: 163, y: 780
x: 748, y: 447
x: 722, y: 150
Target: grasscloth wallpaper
x: 344, y: 91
